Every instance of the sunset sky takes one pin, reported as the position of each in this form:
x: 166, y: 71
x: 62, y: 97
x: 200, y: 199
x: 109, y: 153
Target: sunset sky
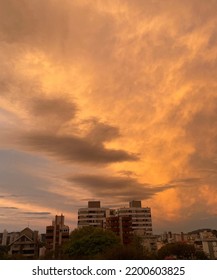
x: 109, y: 100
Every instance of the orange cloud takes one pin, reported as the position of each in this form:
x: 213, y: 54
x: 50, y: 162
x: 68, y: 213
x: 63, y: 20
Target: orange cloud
x: 128, y: 84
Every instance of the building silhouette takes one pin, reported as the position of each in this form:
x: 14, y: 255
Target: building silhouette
x: 25, y: 245
x: 56, y: 234
x: 122, y: 227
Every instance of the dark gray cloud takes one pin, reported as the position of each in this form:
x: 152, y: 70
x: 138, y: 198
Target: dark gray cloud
x: 117, y: 187
x: 36, y: 213
x: 85, y: 145
x: 73, y: 148
x: 53, y: 108
x: 37, y: 217
x: 9, y: 208
x: 99, y: 132
x: 6, y: 196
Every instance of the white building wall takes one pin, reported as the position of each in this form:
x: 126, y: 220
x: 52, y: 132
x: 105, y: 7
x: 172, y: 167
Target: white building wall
x: 210, y: 248
x: 92, y: 216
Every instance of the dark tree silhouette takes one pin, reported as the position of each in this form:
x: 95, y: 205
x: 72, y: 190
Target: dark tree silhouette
x: 3, y: 252
x: 181, y: 251
x: 90, y: 243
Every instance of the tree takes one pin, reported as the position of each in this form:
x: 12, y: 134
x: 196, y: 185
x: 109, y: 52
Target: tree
x: 3, y: 252
x: 179, y: 250
x: 90, y: 243
x: 200, y: 255
x: 127, y: 252
x: 132, y: 251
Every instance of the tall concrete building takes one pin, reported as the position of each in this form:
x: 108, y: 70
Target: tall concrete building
x: 56, y: 234
x: 125, y: 222
x: 122, y: 227
x: 93, y: 215
x: 141, y: 217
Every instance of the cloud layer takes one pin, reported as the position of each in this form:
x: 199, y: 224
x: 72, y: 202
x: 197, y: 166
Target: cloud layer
x: 96, y: 100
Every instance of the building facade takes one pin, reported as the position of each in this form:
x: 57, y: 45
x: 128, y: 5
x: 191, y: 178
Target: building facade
x: 56, y: 234
x: 25, y: 245
x: 141, y: 217
x: 93, y: 215
x: 210, y: 248
x: 124, y: 222
x: 7, y: 238
x: 122, y: 227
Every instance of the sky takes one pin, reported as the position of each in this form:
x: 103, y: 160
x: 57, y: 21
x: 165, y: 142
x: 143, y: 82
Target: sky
x: 112, y: 101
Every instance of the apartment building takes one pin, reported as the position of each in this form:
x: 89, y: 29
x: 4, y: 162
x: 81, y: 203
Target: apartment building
x: 25, y: 244
x: 7, y: 238
x: 210, y: 248
x: 122, y: 227
x: 141, y: 217
x: 125, y: 222
x: 56, y: 234
x: 93, y: 215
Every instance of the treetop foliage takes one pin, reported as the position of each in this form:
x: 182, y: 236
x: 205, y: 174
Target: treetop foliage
x: 88, y: 242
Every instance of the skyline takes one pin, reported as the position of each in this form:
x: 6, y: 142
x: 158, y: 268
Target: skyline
x: 115, y: 102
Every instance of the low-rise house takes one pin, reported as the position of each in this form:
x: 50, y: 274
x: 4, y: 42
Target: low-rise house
x: 26, y: 245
